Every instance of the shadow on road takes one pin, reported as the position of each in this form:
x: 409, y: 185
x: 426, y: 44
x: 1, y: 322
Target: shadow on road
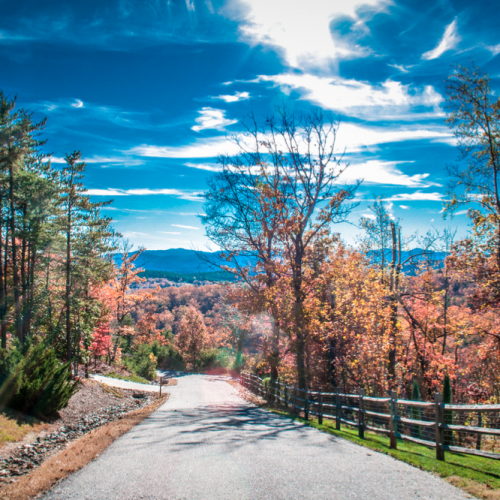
x: 230, y: 425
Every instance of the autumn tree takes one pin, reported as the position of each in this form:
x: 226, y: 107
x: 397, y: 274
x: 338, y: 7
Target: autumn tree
x: 192, y: 335
x: 271, y: 201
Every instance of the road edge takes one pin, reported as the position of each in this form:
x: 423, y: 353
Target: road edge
x: 76, y: 455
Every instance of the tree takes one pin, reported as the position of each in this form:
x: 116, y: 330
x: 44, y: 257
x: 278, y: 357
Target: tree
x: 271, y: 202
x: 89, y: 238
x: 192, y: 335
x: 474, y: 117
x: 101, y: 341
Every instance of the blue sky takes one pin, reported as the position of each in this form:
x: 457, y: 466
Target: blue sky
x: 150, y: 90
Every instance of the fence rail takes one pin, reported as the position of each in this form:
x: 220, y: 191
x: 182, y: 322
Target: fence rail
x: 429, y: 424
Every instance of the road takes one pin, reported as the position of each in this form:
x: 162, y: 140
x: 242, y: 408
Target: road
x: 207, y: 443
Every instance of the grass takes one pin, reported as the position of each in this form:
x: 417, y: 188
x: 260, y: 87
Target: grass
x: 476, y: 475
x: 14, y: 426
x: 129, y: 378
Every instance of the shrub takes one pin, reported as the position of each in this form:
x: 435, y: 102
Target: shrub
x: 169, y: 358
x: 39, y: 384
x: 210, y: 359
x: 143, y: 362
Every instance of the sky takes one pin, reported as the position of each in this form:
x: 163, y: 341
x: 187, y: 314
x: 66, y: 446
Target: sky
x: 151, y: 91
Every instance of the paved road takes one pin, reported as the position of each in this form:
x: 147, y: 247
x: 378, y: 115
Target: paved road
x: 207, y: 443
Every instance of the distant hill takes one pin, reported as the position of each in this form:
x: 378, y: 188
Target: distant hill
x: 174, y: 260
x: 180, y: 264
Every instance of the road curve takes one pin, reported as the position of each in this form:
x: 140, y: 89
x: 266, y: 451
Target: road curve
x: 207, y: 443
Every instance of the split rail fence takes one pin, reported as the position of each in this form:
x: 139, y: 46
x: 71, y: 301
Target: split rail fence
x: 445, y: 427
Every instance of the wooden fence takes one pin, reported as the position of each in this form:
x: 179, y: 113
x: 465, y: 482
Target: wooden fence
x: 445, y: 427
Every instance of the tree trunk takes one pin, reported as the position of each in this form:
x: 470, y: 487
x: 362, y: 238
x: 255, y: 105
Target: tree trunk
x: 15, y: 270
x: 3, y: 324
x: 68, y: 285
x: 394, y: 311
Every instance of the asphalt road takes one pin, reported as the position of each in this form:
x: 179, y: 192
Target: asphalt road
x: 207, y: 443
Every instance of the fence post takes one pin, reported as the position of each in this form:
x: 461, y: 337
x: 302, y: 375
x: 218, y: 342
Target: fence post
x: 320, y: 406
x: 438, y: 406
x: 361, y: 415
x: 278, y: 392
x: 392, y: 421
x: 337, y: 408
x: 161, y: 382
x: 306, y: 405
x: 479, y: 424
x: 286, y: 397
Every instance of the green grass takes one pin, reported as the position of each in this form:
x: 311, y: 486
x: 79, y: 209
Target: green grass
x: 467, y: 467
x: 129, y: 378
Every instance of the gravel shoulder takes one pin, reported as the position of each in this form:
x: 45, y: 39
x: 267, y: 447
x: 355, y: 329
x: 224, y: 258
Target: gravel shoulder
x: 206, y: 442
x: 93, y: 406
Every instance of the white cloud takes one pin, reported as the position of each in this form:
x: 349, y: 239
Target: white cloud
x: 301, y: 30
x: 494, y: 49
x: 77, y: 104
x: 210, y: 147
x: 404, y: 207
x: 384, y: 172
x: 355, y: 98
x: 211, y: 118
x: 369, y: 216
x: 354, y: 137
x: 185, y: 227
x: 350, y: 136
x: 168, y: 232
x: 211, y: 167
x: 416, y: 196
x: 449, y: 40
x: 114, y: 160
x: 401, y: 67
x: 182, y: 194
x: 238, y: 96
x: 135, y: 233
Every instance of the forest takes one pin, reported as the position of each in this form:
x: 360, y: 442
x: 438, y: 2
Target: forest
x: 393, y: 311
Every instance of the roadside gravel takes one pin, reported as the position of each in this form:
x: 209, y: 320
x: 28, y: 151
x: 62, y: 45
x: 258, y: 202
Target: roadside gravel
x: 205, y: 442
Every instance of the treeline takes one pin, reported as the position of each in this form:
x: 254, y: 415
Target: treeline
x: 55, y: 244
x: 332, y: 315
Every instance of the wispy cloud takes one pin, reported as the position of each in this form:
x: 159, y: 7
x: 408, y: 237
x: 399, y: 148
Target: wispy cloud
x: 356, y: 98
x: 185, y: 227
x: 209, y: 147
x: 384, y: 172
x: 449, y: 40
x: 236, y: 97
x: 211, y: 167
x: 211, y: 118
x: 112, y: 160
x: 77, y: 104
x: 416, y: 196
x: 178, y: 193
x: 404, y: 207
x: 168, y: 232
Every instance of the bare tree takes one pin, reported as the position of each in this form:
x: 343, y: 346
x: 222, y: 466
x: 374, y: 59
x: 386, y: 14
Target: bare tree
x: 273, y: 200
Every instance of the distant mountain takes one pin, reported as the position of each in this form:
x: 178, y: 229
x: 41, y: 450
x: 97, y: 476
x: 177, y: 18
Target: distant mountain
x: 182, y: 261
x: 174, y: 260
